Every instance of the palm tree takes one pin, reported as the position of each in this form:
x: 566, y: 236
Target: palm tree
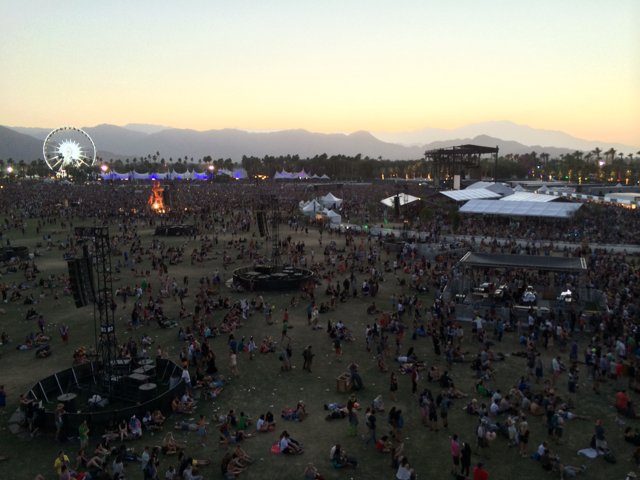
x: 610, y: 154
x: 597, y: 152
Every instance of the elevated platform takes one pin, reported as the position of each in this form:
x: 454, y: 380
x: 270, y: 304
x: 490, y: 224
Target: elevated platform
x: 269, y: 278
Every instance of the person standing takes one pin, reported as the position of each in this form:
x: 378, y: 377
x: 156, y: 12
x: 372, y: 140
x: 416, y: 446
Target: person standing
x: 393, y: 386
x: 456, y: 452
x: 370, y: 418
x: 3, y: 399
x: 415, y: 376
x: 64, y: 333
x: 83, y: 434
x: 285, y: 325
x: 59, y: 417
x: 233, y: 363
x: 202, y: 431
x: 337, y: 345
x: 465, y: 459
x: 307, y: 355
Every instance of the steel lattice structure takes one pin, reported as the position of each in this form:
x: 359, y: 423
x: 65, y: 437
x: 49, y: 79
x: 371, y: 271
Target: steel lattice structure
x: 103, y: 306
x: 458, y: 160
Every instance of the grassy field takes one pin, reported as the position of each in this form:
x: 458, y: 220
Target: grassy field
x: 261, y: 386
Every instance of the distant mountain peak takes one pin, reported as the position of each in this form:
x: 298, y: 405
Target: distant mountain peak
x: 147, y: 128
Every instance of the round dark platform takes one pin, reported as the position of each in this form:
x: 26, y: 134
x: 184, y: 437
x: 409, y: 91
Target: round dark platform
x: 81, y: 389
x: 263, y: 277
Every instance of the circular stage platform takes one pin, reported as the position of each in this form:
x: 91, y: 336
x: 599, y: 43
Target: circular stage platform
x: 136, y: 388
x: 264, y: 277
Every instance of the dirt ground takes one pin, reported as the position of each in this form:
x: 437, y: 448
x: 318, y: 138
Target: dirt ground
x: 261, y: 385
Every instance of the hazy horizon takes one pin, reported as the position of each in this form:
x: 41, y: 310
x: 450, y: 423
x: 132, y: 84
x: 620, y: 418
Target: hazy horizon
x: 327, y: 67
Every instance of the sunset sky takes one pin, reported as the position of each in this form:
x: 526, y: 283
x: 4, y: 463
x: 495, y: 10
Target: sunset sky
x: 325, y: 66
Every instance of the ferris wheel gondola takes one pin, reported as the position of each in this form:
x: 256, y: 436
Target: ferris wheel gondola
x: 68, y: 147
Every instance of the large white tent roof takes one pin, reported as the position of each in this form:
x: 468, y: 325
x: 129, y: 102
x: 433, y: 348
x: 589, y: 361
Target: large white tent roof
x: 521, y: 209
x: 528, y: 197
x: 405, y: 198
x: 470, y: 194
x: 494, y: 187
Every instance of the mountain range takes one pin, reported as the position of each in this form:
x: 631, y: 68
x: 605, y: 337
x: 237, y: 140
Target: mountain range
x: 140, y: 140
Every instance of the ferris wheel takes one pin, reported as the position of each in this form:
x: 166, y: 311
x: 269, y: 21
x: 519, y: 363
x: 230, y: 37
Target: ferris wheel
x: 68, y: 147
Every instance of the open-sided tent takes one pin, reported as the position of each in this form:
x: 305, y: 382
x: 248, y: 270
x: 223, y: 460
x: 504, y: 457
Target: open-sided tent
x: 312, y: 208
x: 521, y: 209
x: 469, y: 194
x: 330, y: 200
x: 333, y: 216
x: 528, y: 197
x: 404, y: 199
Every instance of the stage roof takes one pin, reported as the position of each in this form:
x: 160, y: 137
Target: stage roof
x: 463, y: 149
x: 532, y: 262
x: 521, y: 209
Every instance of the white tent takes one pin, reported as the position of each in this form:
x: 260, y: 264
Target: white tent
x: 404, y: 198
x: 312, y: 208
x: 521, y: 209
x: 330, y: 200
x: 333, y: 216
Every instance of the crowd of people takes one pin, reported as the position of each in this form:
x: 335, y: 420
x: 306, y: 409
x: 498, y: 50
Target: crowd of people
x: 556, y: 353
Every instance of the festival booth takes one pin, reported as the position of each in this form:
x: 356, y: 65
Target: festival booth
x: 331, y: 201
x: 312, y: 208
x: 301, y: 175
x: 238, y: 174
x: 332, y: 217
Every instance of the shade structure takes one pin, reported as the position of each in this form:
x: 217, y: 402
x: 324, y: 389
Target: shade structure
x: 330, y: 200
x: 494, y: 187
x: 405, y: 199
x: 312, y: 208
x: 466, y: 194
x: 528, y: 197
x: 521, y: 209
x: 533, y: 262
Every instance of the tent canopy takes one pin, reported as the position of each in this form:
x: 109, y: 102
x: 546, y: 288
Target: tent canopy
x: 333, y: 216
x: 405, y: 199
x: 528, y: 197
x: 330, y: 200
x: 521, y: 209
x: 532, y: 262
x: 467, y: 194
x: 312, y: 208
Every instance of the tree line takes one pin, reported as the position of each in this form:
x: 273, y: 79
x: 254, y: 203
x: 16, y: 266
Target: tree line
x: 596, y: 165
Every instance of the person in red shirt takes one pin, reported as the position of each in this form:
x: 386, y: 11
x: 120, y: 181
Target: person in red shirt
x: 623, y: 404
x: 479, y: 473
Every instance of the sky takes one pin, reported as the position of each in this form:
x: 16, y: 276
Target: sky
x: 325, y: 66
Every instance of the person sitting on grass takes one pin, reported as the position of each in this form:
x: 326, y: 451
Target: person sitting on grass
x: 241, y: 457
x: 298, y: 414
x: 340, y: 459
x: 230, y: 466
x: 384, y: 444
x: 169, y: 445
x: 228, y: 437
x: 288, y: 445
x: 311, y: 473
x: 84, y: 462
